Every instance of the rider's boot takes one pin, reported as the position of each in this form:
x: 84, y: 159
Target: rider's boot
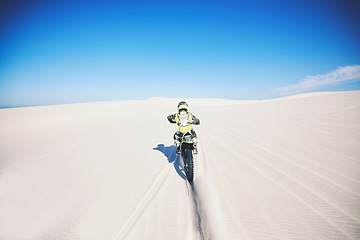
x: 177, y: 144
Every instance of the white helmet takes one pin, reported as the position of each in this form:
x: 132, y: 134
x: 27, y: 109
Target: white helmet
x: 182, y: 106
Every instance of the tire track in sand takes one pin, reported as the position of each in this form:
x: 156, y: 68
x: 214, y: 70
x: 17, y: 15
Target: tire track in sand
x: 144, y: 203
x: 199, y: 213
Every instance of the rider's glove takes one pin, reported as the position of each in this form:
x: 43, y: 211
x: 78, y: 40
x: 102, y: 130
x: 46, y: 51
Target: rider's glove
x: 195, y: 122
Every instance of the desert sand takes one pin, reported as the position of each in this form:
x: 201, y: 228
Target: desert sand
x: 286, y: 168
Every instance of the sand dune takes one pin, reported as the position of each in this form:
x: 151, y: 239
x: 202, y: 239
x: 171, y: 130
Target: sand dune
x: 286, y: 168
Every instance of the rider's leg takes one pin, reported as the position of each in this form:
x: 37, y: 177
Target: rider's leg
x: 177, y: 142
x: 195, y: 141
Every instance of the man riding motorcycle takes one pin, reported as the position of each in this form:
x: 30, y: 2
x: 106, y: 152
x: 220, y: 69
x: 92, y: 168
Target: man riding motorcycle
x: 184, y: 119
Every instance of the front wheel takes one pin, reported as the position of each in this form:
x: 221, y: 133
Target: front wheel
x: 189, y: 162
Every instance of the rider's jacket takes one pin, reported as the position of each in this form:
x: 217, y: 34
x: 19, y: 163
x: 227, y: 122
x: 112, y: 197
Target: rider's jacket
x: 184, y: 121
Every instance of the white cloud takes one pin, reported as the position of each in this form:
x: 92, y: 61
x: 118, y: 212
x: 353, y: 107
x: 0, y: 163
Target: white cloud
x: 338, y: 76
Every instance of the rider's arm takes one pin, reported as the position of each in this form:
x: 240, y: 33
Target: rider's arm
x: 171, y: 118
x: 195, y: 120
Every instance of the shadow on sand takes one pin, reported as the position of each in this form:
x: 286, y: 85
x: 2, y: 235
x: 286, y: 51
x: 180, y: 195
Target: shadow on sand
x: 170, y: 154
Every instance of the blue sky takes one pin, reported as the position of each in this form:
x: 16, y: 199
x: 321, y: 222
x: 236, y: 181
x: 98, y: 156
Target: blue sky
x: 54, y: 52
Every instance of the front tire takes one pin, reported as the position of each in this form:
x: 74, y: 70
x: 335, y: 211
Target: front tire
x: 189, y: 169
